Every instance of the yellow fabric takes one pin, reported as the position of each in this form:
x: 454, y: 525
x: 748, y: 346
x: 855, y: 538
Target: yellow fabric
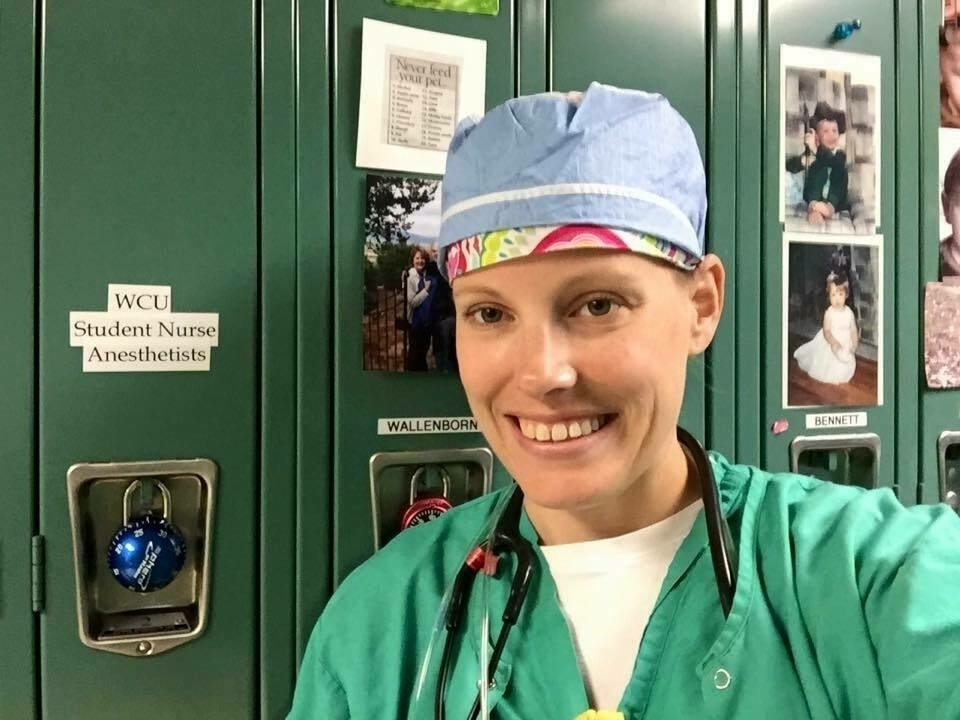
x: 600, y: 715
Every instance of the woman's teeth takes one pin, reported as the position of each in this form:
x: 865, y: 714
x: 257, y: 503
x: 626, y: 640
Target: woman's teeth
x: 558, y: 432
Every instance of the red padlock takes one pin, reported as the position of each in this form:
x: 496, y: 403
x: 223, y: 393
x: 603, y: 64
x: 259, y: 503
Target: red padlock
x: 428, y: 507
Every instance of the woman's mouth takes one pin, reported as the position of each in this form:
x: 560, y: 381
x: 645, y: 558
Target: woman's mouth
x: 561, y: 431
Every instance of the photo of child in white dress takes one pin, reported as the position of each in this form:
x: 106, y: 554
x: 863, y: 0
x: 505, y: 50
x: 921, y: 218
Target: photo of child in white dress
x: 833, y: 318
x: 830, y: 357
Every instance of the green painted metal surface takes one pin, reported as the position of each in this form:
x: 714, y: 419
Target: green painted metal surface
x: 314, y: 281
x: 749, y: 183
x: 908, y: 309
x: 791, y: 23
x: 148, y: 174
x: 17, y: 387
x: 531, y: 46
x: 278, y: 358
x: 723, y: 400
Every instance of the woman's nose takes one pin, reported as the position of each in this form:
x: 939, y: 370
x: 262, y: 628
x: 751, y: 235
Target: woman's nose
x: 546, y: 362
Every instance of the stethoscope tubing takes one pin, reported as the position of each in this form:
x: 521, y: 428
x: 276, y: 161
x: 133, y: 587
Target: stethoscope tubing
x: 506, y: 537
x: 723, y: 552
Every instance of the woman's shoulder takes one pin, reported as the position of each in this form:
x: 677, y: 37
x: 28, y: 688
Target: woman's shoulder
x: 807, y: 512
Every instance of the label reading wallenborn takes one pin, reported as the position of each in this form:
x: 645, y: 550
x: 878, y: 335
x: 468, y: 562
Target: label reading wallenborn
x: 425, y: 425
x: 139, y: 332
x: 819, y: 421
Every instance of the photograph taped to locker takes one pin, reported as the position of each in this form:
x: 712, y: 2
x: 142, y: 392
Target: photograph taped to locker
x: 829, y: 144
x: 833, y: 316
x: 408, y: 318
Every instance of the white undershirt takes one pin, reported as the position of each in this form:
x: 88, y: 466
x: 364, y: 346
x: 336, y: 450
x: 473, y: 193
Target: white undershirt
x: 607, y: 590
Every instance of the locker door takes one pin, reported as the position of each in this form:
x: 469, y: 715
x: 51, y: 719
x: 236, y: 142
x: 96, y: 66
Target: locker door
x: 148, y: 175
x: 938, y: 413
x: 873, y: 271
x: 18, y: 411
x: 664, y: 48
x: 361, y: 397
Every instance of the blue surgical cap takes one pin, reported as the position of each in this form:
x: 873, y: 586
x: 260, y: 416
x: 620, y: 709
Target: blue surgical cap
x: 611, y: 157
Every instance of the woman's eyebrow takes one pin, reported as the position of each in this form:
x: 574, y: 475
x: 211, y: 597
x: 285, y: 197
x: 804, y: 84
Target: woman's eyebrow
x: 488, y: 292
x: 615, y: 279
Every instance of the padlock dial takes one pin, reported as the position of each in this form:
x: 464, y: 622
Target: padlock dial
x: 424, y: 510
x: 146, y: 554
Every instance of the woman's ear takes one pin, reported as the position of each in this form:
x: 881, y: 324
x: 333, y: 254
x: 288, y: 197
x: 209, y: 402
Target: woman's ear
x: 706, y: 296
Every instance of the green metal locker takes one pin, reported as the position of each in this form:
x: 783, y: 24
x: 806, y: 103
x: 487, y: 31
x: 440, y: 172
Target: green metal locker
x: 148, y: 174
x: 939, y: 410
x: 17, y: 387
x: 886, y: 32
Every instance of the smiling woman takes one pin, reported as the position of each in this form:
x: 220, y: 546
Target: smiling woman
x: 575, y: 373
x: 573, y: 238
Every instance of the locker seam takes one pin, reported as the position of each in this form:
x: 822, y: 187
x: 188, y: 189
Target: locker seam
x: 548, y: 43
x: 762, y: 333
x: 515, y: 34
x: 261, y: 385
x: 333, y: 104
x: 36, y: 490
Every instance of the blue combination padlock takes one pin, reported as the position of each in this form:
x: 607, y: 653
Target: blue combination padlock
x: 147, y: 552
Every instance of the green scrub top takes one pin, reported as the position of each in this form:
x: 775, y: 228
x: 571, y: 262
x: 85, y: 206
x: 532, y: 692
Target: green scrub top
x: 847, y: 606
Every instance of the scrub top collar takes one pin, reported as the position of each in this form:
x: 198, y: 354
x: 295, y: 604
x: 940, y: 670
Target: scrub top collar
x: 533, y: 632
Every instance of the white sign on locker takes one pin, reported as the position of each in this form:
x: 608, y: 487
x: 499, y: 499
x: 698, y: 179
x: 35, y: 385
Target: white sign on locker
x: 139, y: 332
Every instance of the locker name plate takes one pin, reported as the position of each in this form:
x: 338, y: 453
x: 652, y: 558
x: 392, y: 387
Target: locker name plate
x: 139, y: 332
x: 819, y: 421
x: 426, y: 425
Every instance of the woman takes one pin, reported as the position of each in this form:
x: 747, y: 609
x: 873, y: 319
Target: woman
x: 419, y: 293
x: 573, y: 228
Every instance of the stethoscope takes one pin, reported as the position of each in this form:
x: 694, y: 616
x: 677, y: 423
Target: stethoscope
x: 506, y: 538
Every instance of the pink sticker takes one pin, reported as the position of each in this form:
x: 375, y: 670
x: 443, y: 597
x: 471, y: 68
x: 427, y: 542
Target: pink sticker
x: 780, y: 426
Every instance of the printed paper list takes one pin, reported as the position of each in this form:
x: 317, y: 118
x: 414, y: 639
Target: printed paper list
x: 422, y: 103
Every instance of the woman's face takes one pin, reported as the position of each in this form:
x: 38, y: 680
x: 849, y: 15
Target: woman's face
x: 574, y: 365
x: 419, y: 261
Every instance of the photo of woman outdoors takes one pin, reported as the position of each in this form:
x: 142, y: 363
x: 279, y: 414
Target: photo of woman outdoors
x: 408, y: 315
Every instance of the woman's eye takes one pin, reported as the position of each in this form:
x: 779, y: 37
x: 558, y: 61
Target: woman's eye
x: 488, y: 315
x: 598, y: 306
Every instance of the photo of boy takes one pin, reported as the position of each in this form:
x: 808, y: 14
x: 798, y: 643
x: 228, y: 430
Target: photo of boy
x: 830, y: 124
x: 823, y: 165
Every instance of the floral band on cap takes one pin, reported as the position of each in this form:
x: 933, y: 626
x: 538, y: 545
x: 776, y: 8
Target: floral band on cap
x: 485, y: 249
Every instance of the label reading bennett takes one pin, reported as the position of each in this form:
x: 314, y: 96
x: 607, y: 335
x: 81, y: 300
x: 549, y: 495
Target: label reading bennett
x: 820, y: 421
x: 139, y: 332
